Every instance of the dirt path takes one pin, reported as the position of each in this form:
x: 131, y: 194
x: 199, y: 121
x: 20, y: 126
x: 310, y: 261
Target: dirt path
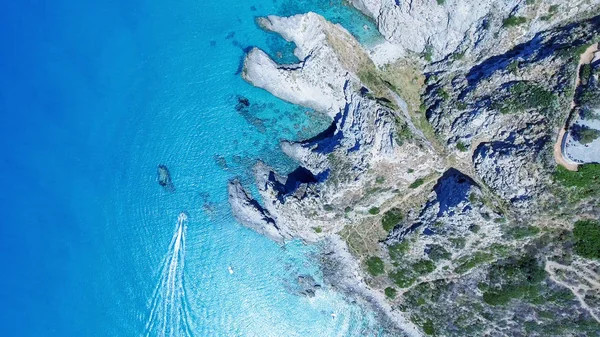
x: 577, y: 288
x: 559, y: 156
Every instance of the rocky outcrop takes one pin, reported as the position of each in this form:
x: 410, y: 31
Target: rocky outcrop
x: 249, y: 213
x: 439, y: 28
x: 506, y: 109
x: 456, y: 205
x: 318, y: 80
x: 492, y: 107
x: 512, y: 167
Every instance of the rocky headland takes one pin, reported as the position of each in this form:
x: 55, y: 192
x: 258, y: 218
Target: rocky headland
x: 434, y: 193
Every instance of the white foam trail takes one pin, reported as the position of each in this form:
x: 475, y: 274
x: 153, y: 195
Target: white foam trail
x: 168, y: 309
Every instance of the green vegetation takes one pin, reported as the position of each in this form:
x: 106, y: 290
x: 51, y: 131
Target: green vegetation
x: 375, y: 266
x: 587, y: 238
x: 398, y: 250
x: 374, y: 210
x: 416, y: 183
x: 551, y: 11
x: 513, y: 21
x: 585, y: 73
x: 328, y: 207
x: 458, y: 56
x: 403, y: 132
x: 428, y: 53
x: 584, y: 183
x: 519, y: 233
x: 404, y: 277
x: 585, y: 135
x: 390, y: 292
x: 513, y: 66
x: 379, y: 180
x: 443, y: 94
x: 441, y: 2
x: 475, y: 228
x: 524, y: 96
x: 391, y: 218
x: 318, y: 229
x: 437, y: 252
x: 347, y: 209
x: 512, y: 279
x: 428, y: 328
x: 461, y: 147
x: 423, y: 267
x: 401, y: 278
x: 588, y: 114
x: 468, y: 263
x: 458, y: 243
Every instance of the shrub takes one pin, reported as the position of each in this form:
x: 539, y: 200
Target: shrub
x: 428, y: 53
x: 441, y: 2
x: 513, y: 66
x: 375, y: 266
x: 584, y: 134
x: 318, y: 229
x: 586, y: 176
x: 472, y: 262
x: 514, y: 279
x: 458, y: 242
x: 437, y: 252
x: 416, y: 183
x: 374, y: 210
x: 428, y: 327
x: 513, y: 20
x: 461, y: 147
x: 391, y: 218
x: 523, y: 96
x: 401, y: 278
x: 585, y: 73
x: 519, y: 233
x: 328, y: 207
x: 398, y: 250
x: 423, y: 267
x: 390, y: 292
x: 587, y: 238
x: 444, y: 94
x: 403, y: 132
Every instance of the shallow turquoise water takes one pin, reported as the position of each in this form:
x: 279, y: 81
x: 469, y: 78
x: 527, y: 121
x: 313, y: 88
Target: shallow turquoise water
x: 94, y: 97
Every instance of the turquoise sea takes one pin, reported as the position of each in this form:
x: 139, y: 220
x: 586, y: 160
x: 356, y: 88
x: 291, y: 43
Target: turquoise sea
x: 95, y: 95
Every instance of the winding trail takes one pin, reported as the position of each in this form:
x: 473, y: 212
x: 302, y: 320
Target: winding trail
x: 559, y: 146
x: 579, y: 289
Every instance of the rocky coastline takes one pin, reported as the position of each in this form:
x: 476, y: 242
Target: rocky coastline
x: 427, y: 180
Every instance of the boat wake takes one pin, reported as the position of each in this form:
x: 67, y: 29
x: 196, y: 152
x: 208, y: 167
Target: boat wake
x: 169, y: 309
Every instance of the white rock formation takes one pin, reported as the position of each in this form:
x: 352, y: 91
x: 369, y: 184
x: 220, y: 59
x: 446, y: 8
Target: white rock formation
x: 443, y: 26
x: 329, y: 57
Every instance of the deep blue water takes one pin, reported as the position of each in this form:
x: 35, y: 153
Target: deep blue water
x: 93, y: 96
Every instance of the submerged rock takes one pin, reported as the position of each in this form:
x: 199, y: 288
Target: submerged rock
x: 307, y: 285
x: 164, y: 178
x: 242, y: 103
